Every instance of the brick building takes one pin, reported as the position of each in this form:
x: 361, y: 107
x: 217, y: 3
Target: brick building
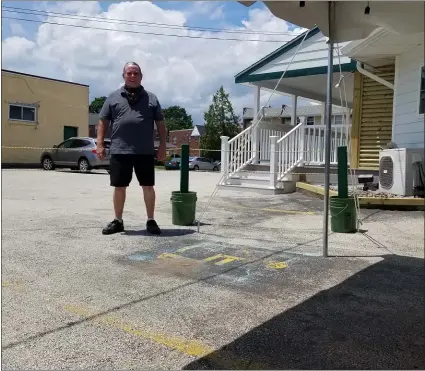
x: 187, y: 136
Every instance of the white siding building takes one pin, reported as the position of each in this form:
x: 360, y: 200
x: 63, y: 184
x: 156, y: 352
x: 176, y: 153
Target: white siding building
x: 409, y: 98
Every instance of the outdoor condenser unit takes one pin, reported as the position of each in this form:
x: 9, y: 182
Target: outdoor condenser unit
x: 396, y: 170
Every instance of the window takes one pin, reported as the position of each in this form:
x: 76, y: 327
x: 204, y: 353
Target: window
x: 338, y: 120
x: 21, y: 113
x: 66, y: 144
x: 78, y: 143
x: 422, y: 92
x: 310, y: 120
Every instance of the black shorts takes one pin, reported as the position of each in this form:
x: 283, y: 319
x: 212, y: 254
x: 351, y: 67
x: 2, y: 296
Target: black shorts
x: 121, y: 169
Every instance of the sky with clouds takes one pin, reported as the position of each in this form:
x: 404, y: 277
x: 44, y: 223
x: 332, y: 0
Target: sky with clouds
x: 180, y: 71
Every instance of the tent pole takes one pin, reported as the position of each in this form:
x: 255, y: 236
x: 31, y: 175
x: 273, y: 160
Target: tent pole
x: 328, y: 121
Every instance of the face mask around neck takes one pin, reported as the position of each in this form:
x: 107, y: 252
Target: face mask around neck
x: 133, y: 94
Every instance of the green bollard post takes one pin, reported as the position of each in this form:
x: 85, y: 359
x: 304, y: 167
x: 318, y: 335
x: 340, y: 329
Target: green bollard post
x: 184, y: 201
x: 184, y: 169
x: 342, y: 172
x: 343, y: 208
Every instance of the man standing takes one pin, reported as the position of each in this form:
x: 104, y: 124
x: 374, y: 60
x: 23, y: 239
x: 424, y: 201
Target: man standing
x: 132, y: 111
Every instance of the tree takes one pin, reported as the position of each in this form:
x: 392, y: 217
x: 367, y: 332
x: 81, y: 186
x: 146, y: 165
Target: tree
x: 96, y: 104
x: 220, y: 120
x: 176, y: 118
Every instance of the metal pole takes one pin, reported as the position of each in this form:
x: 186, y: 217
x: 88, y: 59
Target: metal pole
x: 328, y: 121
x: 184, y: 169
x: 342, y: 172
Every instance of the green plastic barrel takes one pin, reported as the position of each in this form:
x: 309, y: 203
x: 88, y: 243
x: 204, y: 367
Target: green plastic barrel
x: 343, y: 215
x: 183, y: 207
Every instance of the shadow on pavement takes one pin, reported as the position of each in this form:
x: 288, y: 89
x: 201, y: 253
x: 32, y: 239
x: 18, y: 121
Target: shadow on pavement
x: 373, y: 320
x: 165, y: 232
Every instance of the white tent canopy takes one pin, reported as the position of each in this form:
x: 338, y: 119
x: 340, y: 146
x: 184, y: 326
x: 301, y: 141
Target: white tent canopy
x: 350, y: 21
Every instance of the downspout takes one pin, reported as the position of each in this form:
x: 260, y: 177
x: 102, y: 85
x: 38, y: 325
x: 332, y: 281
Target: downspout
x: 373, y: 77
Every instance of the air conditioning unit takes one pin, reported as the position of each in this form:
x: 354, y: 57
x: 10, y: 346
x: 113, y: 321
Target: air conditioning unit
x: 396, y: 170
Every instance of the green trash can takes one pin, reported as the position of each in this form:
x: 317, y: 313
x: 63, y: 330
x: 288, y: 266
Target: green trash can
x: 183, y: 208
x: 343, y: 214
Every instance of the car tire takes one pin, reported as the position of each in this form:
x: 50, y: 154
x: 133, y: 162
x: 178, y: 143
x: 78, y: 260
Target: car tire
x: 196, y: 167
x: 47, y: 163
x: 84, y: 165
x: 215, y: 168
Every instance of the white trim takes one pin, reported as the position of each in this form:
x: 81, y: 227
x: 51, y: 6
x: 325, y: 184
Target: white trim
x: 373, y: 77
x: 420, y: 115
x: 352, y: 48
x: 396, y: 83
x: 22, y: 105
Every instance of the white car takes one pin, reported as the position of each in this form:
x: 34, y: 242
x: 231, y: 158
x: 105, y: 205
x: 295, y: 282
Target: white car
x: 202, y: 163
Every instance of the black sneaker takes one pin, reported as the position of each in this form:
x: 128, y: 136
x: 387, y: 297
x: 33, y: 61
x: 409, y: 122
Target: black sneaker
x: 152, y: 227
x: 115, y: 226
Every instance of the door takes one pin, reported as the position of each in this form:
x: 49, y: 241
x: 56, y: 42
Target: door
x: 206, y: 164
x: 79, y: 147
x: 69, y: 132
x: 63, y: 153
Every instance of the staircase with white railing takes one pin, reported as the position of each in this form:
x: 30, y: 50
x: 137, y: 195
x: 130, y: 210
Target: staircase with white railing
x: 239, y: 151
x: 266, y: 155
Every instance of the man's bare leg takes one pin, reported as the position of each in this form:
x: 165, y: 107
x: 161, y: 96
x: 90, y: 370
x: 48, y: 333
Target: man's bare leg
x: 119, y: 201
x: 149, y: 197
x: 117, y: 225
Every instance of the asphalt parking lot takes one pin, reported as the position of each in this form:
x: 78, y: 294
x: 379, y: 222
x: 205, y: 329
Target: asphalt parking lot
x: 250, y: 291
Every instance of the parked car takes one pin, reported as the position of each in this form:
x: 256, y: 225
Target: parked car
x: 218, y: 164
x: 172, y: 164
x: 202, y: 163
x: 77, y: 153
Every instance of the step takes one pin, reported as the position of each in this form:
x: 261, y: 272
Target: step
x: 249, y: 180
x: 257, y: 167
x: 259, y: 189
x: 261, y: 184
x: 253, y: 174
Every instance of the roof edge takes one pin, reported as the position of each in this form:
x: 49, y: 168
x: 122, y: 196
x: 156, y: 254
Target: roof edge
x: 345, y: 67
x: 43, y: 77
x: 278, y: 52
x: 351, y: 49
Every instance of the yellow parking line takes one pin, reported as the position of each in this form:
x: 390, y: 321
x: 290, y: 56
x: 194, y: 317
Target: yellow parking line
x: 194, y: 348
x: 189, y: 347
x: 225, y: 259
x: 167, y: 255
x: 276, y: 265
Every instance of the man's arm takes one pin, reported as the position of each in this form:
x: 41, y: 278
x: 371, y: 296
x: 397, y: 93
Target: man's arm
x: 162, y: 130
x: 102, y: 127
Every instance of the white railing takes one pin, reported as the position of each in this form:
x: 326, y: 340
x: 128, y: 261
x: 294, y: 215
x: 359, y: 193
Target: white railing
x: 301, y: 145
x: 236, y: 153
x: 265, y: 132
x: 314, y: 142
x: 305, y: 145
x: 289, y: 151
x: 239, y: 151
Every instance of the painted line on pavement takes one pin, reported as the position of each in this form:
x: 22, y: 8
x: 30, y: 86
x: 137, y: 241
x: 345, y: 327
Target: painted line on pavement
x: 194, y: 348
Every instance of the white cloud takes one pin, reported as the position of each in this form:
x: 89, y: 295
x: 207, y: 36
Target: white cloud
x: 179, y: 71
x: 205, y: 8
x: 17, y: 29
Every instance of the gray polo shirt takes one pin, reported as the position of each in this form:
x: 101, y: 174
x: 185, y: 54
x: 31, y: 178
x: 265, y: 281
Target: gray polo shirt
x: 131, y: 126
